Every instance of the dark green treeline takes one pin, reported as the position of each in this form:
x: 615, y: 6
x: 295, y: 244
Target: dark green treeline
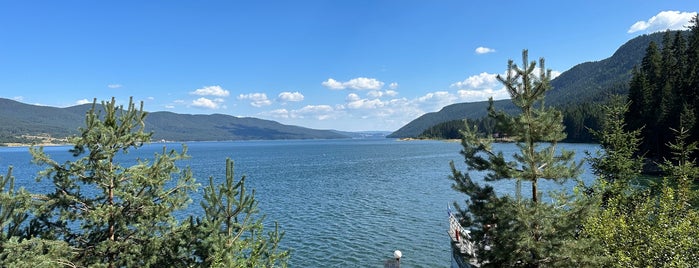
x: 664, y: 91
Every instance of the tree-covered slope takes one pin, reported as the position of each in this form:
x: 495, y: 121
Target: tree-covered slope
x: 584, y: 83
x: 18, y: 119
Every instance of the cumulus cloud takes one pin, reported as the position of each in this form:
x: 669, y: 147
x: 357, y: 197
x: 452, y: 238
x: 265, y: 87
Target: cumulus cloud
x: 438, y: 99
x: 555, y: 74
x: 208, y: 103
x: 482, y: 80
x: 290, y: 96
x: 393, y: 86
x: 365, y: 104
x: 333, y: 84
x: 352, y: 97
x: 482, y: 86
x: 484, y: 50
x: 114, y: 86
x: 217, y: 91
x: 673, y: 20
x: 320, y: 112
x: 360, y: 83
x: 257, y: 99
x: 278, y: 113
x: 374, y: 94
x: 83, y: 101
x: 18, y: 98
x: 481, y: 95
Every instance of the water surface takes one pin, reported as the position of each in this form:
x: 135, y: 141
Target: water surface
x: 342, y: 203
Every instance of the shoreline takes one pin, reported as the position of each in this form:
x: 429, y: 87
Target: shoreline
x: 17, y: 144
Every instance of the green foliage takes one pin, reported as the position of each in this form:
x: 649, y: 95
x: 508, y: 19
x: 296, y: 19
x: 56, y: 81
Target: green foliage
x: 617, y: 163
x: 234, y: 237
x: 103, y: 214
x: 641, y: 227
x: 664, y: 87
x: 521, y: 232
x: 452, y: 129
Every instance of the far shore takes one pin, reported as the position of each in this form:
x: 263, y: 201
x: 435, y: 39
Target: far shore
x: 14, y: 144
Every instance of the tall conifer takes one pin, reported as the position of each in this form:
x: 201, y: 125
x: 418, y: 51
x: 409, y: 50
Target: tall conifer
x: 112, y: 215
x: 519, y: 231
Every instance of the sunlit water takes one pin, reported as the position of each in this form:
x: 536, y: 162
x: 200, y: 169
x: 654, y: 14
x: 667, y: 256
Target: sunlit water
x: 342, y: 203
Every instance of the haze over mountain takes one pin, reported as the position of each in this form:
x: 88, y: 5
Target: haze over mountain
x: 585, y: 82
x: 24, y: 119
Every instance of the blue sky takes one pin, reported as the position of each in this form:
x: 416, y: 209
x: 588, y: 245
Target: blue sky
x: 345, y: 65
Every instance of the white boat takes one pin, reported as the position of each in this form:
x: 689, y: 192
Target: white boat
x: 463, y: 249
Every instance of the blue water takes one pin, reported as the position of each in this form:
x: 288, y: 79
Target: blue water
x: 342, y: 203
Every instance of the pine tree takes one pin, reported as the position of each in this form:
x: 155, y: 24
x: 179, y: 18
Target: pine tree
x: 112, y: 215
x: 528, y: 233
x: 643, y: 227
x: 617, y: 164
x: 230, y: 224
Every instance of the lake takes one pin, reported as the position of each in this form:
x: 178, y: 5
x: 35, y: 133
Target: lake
x: 342, y: 203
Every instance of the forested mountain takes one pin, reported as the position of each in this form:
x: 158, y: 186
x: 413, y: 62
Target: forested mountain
x: 584, y: 84
x: 17, y: 119
x: 663, y: 92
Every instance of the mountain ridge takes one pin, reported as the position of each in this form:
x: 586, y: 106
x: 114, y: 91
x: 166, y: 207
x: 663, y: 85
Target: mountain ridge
x: 18, y: 119
x: 591, y: 82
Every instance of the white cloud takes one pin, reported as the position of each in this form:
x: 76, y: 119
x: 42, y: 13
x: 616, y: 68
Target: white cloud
x: 482, y: 80
x: 482, y: 95
x: 257, y: 99
x: 482, y: 86
x: 437, y: 99
x: 352, y: 97
x: 484, y: 50
x: 217, y: 91
x: 83, y: 101
x: 320, y: 112
x: 169, y: 106
x: 18, y: 98
x: 365, y: 104
x: 393, y: 86
x: 332, y: 84
x: 673, y: 20
x: 375, y: 94
x: 290, y: 96
x: 208, y: 103
x: 555, y: 74
x: 279, y: 113
x: 114, y: 86
x: 359, y: 83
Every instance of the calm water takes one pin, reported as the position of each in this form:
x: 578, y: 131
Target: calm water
x: 342, y: 203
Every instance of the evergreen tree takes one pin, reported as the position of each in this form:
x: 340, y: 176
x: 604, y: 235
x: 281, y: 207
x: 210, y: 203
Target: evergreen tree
x: 521, y: 232
x: 618, y: 162
x: 112, y: 215
x: 230, y: 224
x: 103, y: 214
x: 691, y: 77
x: 635, y: 114
x: 632, y: 226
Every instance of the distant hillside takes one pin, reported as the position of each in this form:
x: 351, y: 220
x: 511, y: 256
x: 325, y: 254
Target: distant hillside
x: 584, y: 83
x: 17, y: 119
